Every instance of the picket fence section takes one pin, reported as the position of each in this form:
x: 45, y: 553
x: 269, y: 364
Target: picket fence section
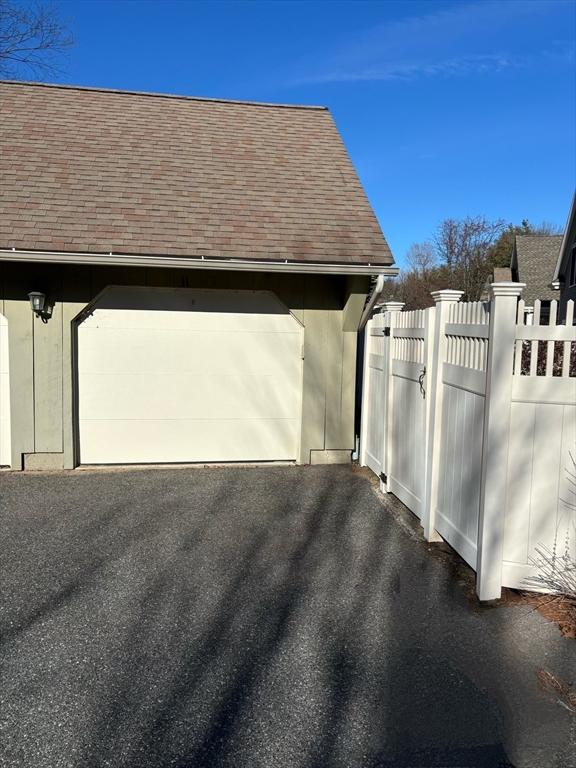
x: 540, y: 504
x: 462, y: 388
x: 469, y: 418
x: 406, y: 478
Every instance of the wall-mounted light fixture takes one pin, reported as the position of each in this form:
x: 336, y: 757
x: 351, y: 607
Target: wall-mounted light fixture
x: 39, y: 305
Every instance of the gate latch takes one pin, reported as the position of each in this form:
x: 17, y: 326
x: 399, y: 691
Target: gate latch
x: 421, y: 382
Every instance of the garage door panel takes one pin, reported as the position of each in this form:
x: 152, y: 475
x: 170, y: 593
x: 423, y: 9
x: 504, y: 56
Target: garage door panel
x: 119, y: 442
x: 137, y: 397
x: 119, y: 350
x: 190, y: 383
x: 191, y: 319
x: 180, y: 302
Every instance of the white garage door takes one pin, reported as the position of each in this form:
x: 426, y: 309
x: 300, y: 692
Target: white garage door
x: 182, y: 375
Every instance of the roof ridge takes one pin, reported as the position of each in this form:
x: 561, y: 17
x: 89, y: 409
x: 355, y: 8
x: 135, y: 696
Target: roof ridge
x: 541, y: 234
x: 156, y: 94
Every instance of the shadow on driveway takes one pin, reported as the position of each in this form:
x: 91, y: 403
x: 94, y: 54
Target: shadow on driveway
x: 247, y: 617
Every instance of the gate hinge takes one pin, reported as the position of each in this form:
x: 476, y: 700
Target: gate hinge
x: 384, y: 478
x: 386, y: 331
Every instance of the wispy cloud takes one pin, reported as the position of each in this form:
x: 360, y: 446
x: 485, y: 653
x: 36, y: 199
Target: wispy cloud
x: 467, y: 39
x: 462, y: 65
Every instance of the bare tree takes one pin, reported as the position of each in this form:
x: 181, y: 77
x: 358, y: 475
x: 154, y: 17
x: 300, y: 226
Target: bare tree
x: 462, y: 255
x: 414, y: 288
x: 421, y: 258
x: 31, y: 39
x: 465, y: 246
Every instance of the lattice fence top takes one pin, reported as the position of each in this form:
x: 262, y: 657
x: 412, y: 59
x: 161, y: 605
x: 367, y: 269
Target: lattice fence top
x: 544, y: 313
x: 472, y: 313
x: 415, y: 318
x: 545, y: 346
x: 467, y: 335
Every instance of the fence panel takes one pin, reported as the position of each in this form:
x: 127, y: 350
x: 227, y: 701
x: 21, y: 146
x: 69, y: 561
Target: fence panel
x: 375, y: 386
x: 406, y: 476
x: 540, y: 507
x: 464, y: 390
x: 487, y: 456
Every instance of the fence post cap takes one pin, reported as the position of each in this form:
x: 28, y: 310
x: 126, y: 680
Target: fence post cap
x: 391, y: 306
x: 447, y: 294
x: 507, y: 289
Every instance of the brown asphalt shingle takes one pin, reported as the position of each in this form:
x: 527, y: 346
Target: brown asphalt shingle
x: 536, y: 261
x: 106, y: 171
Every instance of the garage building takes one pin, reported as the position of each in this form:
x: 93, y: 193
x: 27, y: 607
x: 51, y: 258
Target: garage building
x: 200, y: 269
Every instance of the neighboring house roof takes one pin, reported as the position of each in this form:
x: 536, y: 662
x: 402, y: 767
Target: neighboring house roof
x: 533, y: 261
x: 568, y: 241
x: 95, y: 170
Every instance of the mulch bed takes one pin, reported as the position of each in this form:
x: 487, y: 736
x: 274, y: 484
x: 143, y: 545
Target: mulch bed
x: 558, y: 688
x: 556, y: 608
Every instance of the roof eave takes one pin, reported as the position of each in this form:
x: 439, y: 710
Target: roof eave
x: 184, y: 262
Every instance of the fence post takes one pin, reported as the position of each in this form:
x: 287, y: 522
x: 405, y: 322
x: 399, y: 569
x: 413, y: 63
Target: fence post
x: 443, y: 300
x: 501, y: 343
x: 364, y: 415
x: 392, y: 308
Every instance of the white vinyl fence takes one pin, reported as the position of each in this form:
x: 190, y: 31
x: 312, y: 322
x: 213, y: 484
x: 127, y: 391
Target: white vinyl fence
x: 469, y: 418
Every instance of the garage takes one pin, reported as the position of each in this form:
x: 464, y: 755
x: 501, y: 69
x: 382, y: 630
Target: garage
x: 187, y: 375
x: 189, y: 249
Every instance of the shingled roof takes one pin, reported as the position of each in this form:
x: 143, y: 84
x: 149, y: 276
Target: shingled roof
x: 91, y: 170
x: 533, y: 262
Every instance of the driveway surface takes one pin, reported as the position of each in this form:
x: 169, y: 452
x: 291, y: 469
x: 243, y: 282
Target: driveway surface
x: 279, y: 617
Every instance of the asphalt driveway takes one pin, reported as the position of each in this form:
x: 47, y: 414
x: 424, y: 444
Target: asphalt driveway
x: 254, y: 618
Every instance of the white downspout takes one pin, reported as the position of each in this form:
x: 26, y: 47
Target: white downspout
x: 375, y: 295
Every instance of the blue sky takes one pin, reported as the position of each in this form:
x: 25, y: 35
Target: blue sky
x: 448, y: 109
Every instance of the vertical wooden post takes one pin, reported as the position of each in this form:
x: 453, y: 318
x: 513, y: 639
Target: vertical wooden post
x: 437, y: 355
x: 501, y: 343
x: 391, y: 308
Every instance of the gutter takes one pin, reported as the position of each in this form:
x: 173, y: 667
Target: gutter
x: 197, y: 262
x: 374, y: 296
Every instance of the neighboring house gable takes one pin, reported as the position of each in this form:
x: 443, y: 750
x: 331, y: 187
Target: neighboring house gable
x: 565, y: 274
x: 533, y: 261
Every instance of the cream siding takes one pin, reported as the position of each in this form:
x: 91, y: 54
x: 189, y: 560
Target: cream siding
x: 41, y: 355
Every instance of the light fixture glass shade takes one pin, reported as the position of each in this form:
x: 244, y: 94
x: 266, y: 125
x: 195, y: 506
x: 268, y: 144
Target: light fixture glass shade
x: 37, y: 301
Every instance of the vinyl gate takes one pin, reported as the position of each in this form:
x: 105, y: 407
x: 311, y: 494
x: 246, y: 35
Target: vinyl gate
x: 462, y: 392
x: 376, y: 363
x: 469, y: 418
x: 406, y: 476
